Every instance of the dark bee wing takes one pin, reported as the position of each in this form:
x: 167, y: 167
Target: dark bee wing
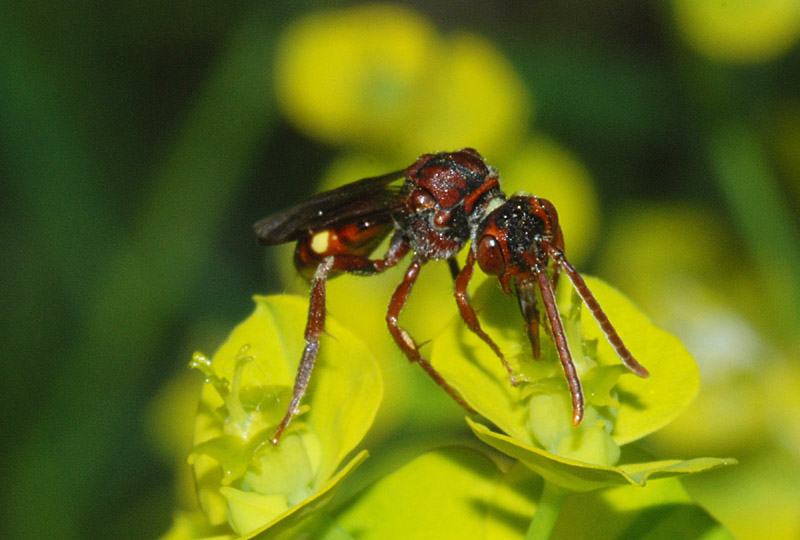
x: 370, y: 198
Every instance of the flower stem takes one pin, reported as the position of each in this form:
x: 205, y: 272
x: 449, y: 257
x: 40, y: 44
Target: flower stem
x: 543, y: 521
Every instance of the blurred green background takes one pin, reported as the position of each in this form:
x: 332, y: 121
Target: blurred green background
x: 139, y: 142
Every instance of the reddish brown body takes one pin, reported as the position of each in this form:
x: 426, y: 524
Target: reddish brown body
x: 432, y: 210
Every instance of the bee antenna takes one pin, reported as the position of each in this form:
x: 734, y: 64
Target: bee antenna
x: 597, y: 312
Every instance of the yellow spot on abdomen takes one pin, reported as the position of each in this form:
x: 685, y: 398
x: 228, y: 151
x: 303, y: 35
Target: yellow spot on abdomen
x: 320, y: 241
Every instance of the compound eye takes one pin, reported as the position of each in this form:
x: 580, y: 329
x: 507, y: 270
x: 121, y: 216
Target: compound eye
x: 550, y: 215
x: 490, y: 256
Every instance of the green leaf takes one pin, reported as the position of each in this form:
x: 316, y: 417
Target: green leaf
x: 241, y: 477
x: 442, y: 494
x: 582, y: 476
x: 659, y: 510
x: 632, y: 406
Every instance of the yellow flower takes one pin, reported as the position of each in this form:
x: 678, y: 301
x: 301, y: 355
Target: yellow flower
x: 471, y: 96
x: 349, y: 74
x: 378, y: 76
x: 739, y: 30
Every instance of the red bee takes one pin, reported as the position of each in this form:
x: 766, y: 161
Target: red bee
x: 433, y: 209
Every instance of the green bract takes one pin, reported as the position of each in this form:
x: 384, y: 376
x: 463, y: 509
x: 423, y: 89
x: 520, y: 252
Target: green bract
x: 585, y: 476
x: 249, y: 488
x: 458, y: 493
x: 536, y: 415
x: 658, y: 511
x: 443, y: 494
x: 241, y: 478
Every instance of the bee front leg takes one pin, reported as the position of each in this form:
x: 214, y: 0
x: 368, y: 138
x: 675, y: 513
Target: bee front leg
x: 404, y: 339
x: 469, y: 316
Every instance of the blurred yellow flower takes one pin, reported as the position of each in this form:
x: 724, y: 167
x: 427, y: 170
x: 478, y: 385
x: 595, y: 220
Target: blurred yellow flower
x: 349, y: 74
x: 471, y: 96
x: 739, y: 30
x: 379, y: 76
